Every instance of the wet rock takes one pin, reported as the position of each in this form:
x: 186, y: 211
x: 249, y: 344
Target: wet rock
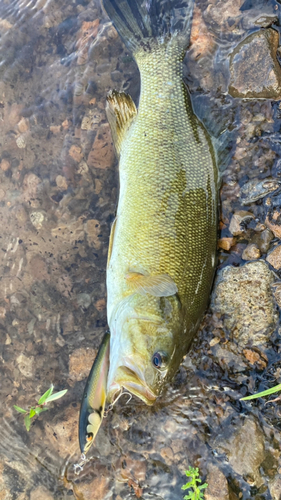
x: 226, y: 243
x: 62, y: 432
x: 41, y: 493
x: 92, y: 228
x: 5, y: 165
x: 217, y: 485
x: 243, y: 296
x: 26, y: 365
x: 251, y: 252
x: 263, y: 240
x: 93, y: 489
x: 275, y: 487
x: 246, y: 451
x: 228, y: 359
x: 102, y: 153
x: 274, y: 258
x: 61, y: 182
x: 255, y: 357
x: 254, y: 69
x: 255, y: 189
x: 239, y: 218
x: 273, y: 222
x: 76, y: 153
x: 80, y: 363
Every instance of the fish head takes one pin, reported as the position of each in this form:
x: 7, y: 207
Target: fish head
x: 146, y: 347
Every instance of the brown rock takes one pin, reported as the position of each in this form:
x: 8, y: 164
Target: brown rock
x: 273, y: 222
x: 254, y: 357
x: 217, y: 485
x: 226, y: 243
x: 38, y: 268
x: 55, y: 129
x: 251, y: 252
x: 92, y: 490
x: 92, y: 228
x: 102, y: 152
x: 275, y: 487
x: 274, y: 258
x: 202, y: 42
x: 26, y: 365
x: 41, y: 493
x: 254, y: 69
x: 80, y: 363
x: 76, y: 153
x: 5, y: 165
x: 62, y: 434
x: 263, y: 239
x: 23, y: 125
x: 100, y: 304
x: 61, y: 182
x: 237, y: 219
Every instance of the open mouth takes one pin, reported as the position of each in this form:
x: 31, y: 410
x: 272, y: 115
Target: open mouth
x: 130, y: 377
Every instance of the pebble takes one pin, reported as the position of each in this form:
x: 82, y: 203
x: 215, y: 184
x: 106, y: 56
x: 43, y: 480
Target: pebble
x: 251, y: 252
x: 76, y: 153
x: 37, y: 219
x: 274, y: 258
x: 226, y: 243
x: 254, y: 68
x: 275, y: 487
x: 244, y: 298
x: 80, y: 363
x: 263, y: 240
x: 237, y: 219
x: 254, y: 357
x: 23, y: 125
x: 61, y: 182
x: 255, y: 189
x: 217, y: 485
x: 20, y: 141
x: 5, y: 165
x: 273, y: 222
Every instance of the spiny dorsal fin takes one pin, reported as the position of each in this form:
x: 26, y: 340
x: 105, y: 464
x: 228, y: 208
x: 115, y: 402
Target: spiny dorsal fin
x: 120, y: 112
x: 160, y: 285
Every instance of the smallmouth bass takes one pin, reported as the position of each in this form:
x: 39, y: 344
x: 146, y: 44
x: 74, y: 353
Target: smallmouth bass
x: 162, y: 246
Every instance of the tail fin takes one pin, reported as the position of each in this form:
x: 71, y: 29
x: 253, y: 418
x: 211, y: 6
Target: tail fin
x: 140, y: 21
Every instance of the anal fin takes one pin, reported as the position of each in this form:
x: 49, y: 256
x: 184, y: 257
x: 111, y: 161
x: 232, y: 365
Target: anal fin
x: 120, y: 111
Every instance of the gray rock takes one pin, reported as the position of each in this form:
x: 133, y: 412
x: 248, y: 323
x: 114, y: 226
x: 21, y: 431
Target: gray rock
x: 246, y: 451
x: 254, y: 69
x: 275, y: 487
x: 243, y: 296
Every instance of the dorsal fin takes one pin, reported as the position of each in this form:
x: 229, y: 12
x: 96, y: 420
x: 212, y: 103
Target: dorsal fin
x: 120, y: 112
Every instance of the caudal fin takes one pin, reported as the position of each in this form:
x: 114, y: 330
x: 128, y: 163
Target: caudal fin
x: 140, y: 21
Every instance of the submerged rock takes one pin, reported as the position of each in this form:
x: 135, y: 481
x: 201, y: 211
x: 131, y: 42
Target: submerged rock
x: 256, y: 189
x: 217, y: 485
x: 274, y: 258
x: 243, y: 296
x: 254, y: 69
x: 246, y: 451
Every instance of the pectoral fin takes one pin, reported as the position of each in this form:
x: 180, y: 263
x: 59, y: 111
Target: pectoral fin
x: 120, y: 111
x: 111, y: 238
x: 160, y: 285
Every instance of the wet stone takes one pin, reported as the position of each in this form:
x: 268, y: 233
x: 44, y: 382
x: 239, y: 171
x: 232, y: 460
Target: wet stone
x: 254, y: 69
x: 275, y: 487
x: 251, y: 252
x: 80, y: 363
x: 255, y: 189
x: 244, y: 298
x: 217, y: 485
x: 263, y: 239
x: 246, y: 451
x: 274, y: 258
x: 273, y: 222
x: 238, y: 219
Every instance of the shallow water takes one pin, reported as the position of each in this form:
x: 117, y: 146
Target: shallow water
x: 58, y: 194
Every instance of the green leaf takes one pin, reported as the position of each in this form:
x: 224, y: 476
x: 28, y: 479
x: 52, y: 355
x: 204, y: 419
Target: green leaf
x: 39, y: 410
x: 27, y: 422
x: 55, y: 396
x: 20, y: 410
x: 274, y: 389
x: 187, y: 485
x: 32, y: 413
x: 46, y: 395
x: 203, y: 486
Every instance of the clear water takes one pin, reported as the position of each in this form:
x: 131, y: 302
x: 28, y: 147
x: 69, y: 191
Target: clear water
x: 58, y: 194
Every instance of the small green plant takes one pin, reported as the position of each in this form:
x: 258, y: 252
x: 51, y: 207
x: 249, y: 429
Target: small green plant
x: 274, y: 389
x: 46, y: 398
x: 196, y: 491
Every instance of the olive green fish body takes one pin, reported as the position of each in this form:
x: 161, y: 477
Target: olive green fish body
x: 163, y: 242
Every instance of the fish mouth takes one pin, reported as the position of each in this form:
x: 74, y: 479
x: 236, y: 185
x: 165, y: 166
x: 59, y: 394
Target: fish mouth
x: 130, y: 377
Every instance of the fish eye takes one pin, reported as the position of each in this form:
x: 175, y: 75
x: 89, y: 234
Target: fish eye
x: 89, y: 437
x: 159, y: 360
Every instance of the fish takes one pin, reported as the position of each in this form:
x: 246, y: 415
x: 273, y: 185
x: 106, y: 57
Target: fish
x: 162, y: 247
x: 94, y: 397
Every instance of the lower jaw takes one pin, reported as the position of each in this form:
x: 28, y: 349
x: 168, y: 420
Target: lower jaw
x: 141, y: 392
